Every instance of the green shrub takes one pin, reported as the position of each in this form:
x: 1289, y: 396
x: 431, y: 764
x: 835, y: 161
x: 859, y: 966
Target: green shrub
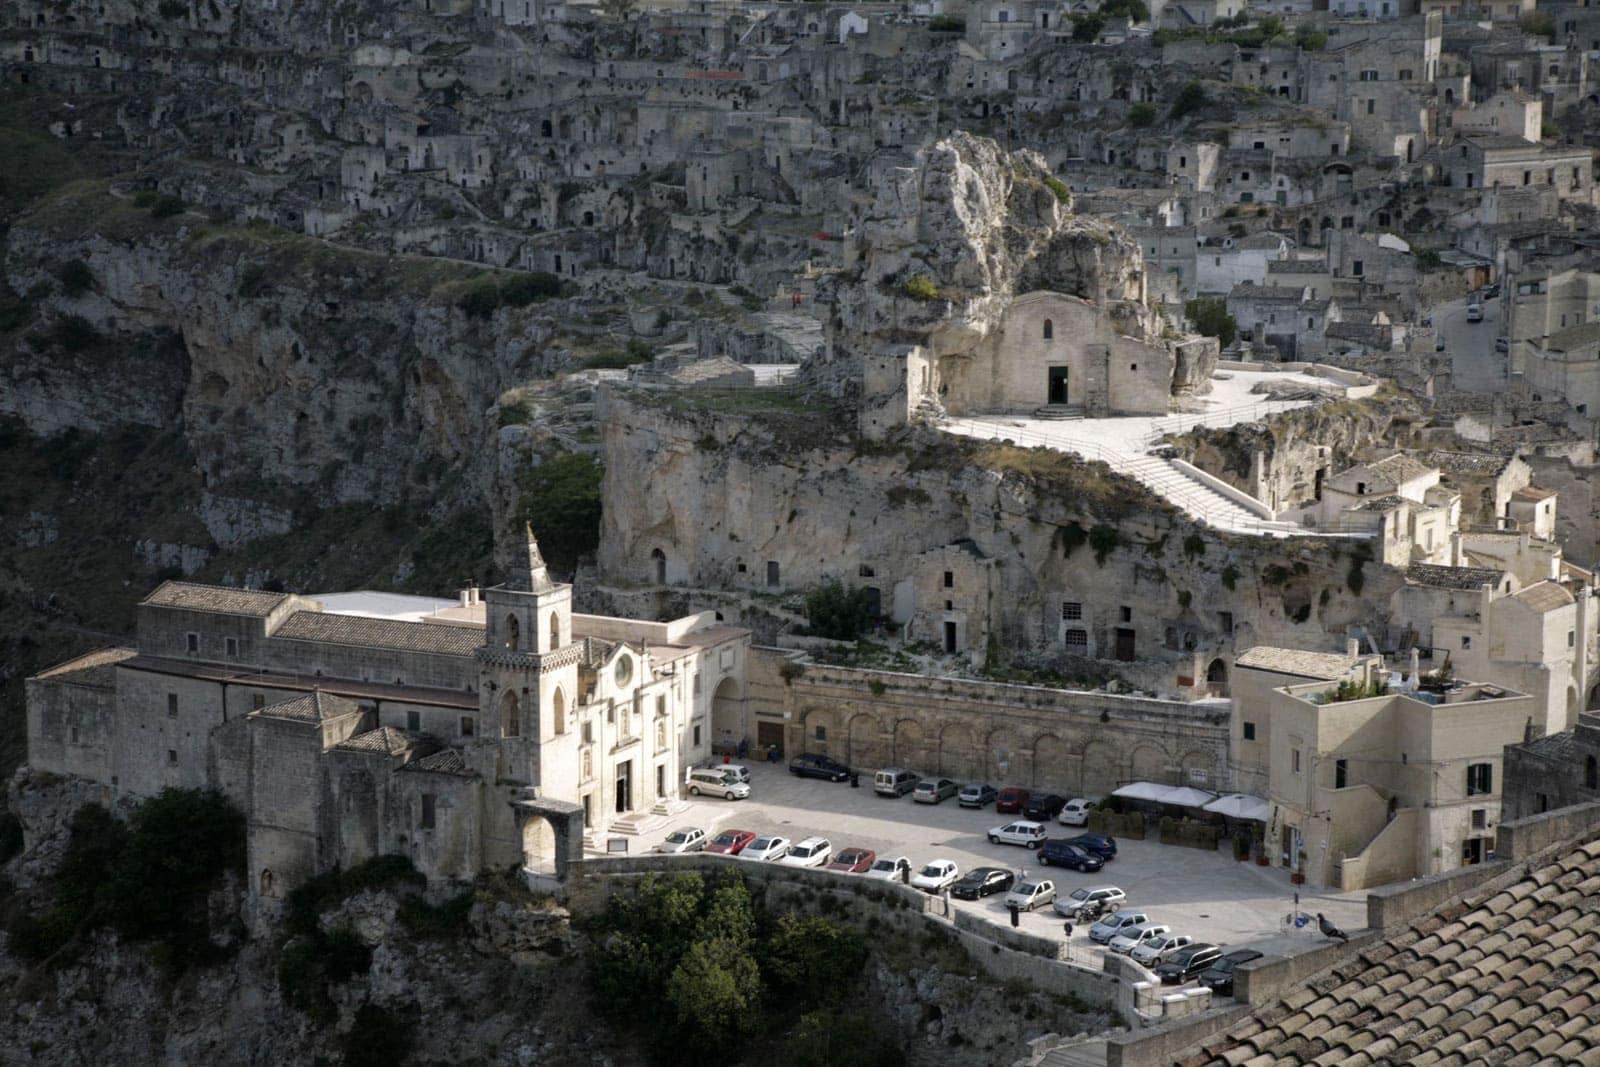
x: 561, y: 498
x: 328, y: 890
x: 1059, y: 188
x: 165, y: 207
x: 1194, y: 546
x: 1072, y: 536
x: 379, y: 1037
x: 444, y: 921
x: 1133, y: 10
x: 839, y: 613
x: 1210, y: 317
x: 1310, y: 40
x: 1104, y: 541
x: 75, y: 276
x: 813, y: 958
x: 1230, y: 577
x: 1191, y: 98
x: 1538, y: 24
x: 520, y: 290
x: 947, y: 24
x: 921, y: 287
x: 11, y: 840
x: 1086, y: 27
x: 1141, y: 115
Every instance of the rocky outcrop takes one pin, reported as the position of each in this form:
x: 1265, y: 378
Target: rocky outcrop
x: 732, y: 494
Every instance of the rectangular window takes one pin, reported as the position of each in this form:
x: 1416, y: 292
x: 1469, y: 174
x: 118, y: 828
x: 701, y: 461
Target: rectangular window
x: 1295, y: 756
x: 1480, y: 779
x: 258, y: 701
x: 193, y: 641
x: 865, y: 571
x: 1077, y: 639
x: 821, y: 733
x: 697, y: 685
x: 1127, y: 613
x: 697, y: 737
x: 172, y: 704
x: 1071, y: 609
x: 1466, y: 642
x: 1480, y: 818
x: 1341, y: 773
x: 414, y: 721
x: 772, y: 572
x: 172, y: 757
x: 469, y: 726
x: 1249, y: 731
x: 949, y: 579
x: 73, y: 735
x: 1226, y: 619
x: 233, y: 647
x: 588, y: 733
x: 661, y: 707
x: 428, y: 812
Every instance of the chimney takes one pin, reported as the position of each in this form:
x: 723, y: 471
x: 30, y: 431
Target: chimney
x: 474, y: 593
x: 465, y: 597
x: 1352, y: 648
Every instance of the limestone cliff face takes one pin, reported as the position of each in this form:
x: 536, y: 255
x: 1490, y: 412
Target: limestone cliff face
x: 980, y: 225
x: 730, y: 495
x: 340, y: 376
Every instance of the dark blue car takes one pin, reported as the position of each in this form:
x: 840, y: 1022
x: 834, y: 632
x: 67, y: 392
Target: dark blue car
x: 1100, y: 844
x: 1062, y: 854
x: 811, y: 765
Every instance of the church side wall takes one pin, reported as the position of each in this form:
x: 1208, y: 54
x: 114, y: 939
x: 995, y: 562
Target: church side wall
x: 156, y: 748
x: 57, y: 709
x: 390, y: 666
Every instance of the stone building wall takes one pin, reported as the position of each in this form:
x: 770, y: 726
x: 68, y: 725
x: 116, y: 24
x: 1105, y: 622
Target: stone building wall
x: 1070, y: 742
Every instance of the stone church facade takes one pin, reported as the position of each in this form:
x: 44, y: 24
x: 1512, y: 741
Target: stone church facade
x: 499, y: 731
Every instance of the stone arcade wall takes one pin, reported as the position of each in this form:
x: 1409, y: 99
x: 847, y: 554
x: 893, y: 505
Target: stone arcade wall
x: 1070, y: 742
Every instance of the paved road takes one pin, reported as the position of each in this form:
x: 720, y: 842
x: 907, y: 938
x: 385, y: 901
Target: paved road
x: 1205, y: 894
x: 1476, y: 366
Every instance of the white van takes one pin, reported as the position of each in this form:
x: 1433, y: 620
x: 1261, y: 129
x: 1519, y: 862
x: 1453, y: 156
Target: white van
x: 713, y: 782
x: 894, y: 782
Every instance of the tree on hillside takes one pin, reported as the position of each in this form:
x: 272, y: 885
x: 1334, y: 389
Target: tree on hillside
x: 1209, y: 314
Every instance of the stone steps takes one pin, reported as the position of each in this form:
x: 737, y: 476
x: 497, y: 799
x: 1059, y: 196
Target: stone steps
x: 1058, y: 412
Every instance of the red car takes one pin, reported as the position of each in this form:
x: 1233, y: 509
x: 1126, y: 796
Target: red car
x: 1011, y: 800
x: 852, y: 860
x: 731, y: 842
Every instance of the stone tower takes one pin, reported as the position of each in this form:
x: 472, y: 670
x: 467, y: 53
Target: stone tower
x: 527, y: 674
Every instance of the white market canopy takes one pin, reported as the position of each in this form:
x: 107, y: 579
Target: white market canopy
x: 1180, y: 795
x: 1241, y: 806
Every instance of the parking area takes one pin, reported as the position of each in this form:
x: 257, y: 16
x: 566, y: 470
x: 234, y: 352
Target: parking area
x: 1207, y: 895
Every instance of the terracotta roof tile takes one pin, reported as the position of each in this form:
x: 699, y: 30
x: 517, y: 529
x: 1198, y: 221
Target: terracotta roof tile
x: 225, y: 600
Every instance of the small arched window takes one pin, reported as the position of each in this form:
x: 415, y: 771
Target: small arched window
x: 1049, y: 330
x: 1591, y: 773
x: 555, y: 631
x: 513, y: 633
x: 266, y: 872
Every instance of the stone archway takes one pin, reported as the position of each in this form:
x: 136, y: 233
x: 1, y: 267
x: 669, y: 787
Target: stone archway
x: 865, y: 741
x: 958, y: 753
x: 1099, y: 769
x: 816, y: 719
x: 727, y: 712
x: 539, y: 846
x: 1149, y: 764
x: 910, y: 746
x: 551, y: 834
x: 1052, y: 764
x: 1217, y: 677
x: 1002, y: 758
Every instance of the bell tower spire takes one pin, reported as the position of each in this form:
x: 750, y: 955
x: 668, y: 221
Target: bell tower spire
x: 527, y: 572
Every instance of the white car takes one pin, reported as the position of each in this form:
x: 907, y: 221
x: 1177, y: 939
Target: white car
x: 812, y: 852
x: 1030, y: 894
x: 1153, y: 950
x: 769, y: 847
x: 1023, y: 832
x: 1134, y: 936
x: 688, y: 839
x: 936, y: 875
x: 1474, y: 312
x: 889, y: 869
x: 1076, y: 811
